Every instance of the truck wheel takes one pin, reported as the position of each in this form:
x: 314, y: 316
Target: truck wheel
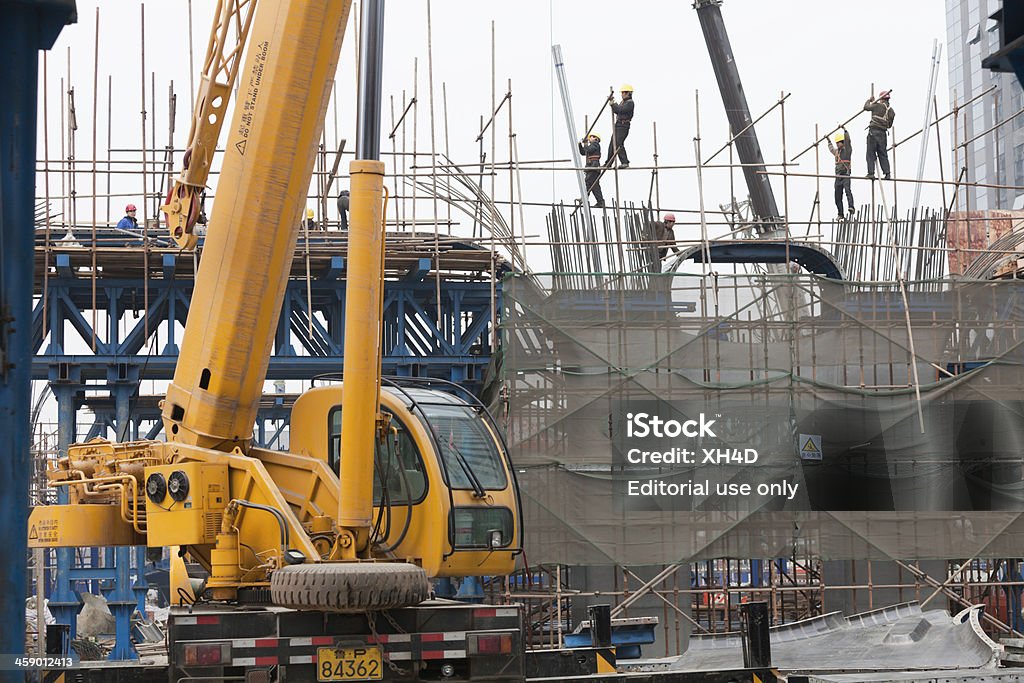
x: 349, y: 586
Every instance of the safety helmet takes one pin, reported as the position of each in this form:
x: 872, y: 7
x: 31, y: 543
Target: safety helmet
x: 595, y: 136
x: 309, y: 213
x: 884, y: 95
x: 840, y: 138
x: 669, y: 217
x: 626, y: 87
x: 130, y: 207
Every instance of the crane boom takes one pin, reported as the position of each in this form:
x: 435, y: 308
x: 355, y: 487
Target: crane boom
x: 220, y: 69
x: 762, y: 199
x: 268, y: 160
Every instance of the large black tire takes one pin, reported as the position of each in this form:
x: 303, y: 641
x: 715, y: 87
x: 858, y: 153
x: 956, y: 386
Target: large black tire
x: 349, y: 586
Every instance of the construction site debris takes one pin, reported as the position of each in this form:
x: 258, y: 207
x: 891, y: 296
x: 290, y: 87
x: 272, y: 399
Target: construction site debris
x: 893, y: 639
x: 89, y: 650
x: 95, y: 618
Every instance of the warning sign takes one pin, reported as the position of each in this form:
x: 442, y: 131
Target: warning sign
x: 46, y: 531
x: 810, y: 446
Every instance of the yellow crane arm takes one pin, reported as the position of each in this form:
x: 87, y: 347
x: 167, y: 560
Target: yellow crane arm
x: 220, y: 70
x: 283, y: 91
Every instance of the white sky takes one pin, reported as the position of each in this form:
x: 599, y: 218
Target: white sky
x: 826, y: 54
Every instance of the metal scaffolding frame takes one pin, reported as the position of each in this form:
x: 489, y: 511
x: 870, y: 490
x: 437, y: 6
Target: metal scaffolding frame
x: 444, y: 300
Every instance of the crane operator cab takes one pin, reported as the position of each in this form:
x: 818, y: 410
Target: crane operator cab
x: 444, y: 492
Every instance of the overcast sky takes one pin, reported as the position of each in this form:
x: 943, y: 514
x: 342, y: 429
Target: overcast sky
x: 827, y: 55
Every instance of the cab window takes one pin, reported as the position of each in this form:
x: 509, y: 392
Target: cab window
x: 398, y: 459
x: 465, y: 443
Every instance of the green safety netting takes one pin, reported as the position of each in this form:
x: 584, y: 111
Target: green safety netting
x: 910, y: 394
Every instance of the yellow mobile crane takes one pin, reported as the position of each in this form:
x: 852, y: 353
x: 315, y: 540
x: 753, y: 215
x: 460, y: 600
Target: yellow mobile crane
x: 385, y: 485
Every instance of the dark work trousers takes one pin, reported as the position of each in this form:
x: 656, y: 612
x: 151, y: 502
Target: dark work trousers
x: 618, y: 138
x: 343, y: 209
x: 843, y: 183
x: 593, y: 180
x: 876, y: 149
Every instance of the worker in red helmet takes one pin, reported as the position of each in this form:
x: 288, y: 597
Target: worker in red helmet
x: 882, y: 116
x: 665, y: 236
x: 128, y: 222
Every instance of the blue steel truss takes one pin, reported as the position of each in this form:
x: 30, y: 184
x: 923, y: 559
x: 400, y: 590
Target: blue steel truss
x: 103, y: 335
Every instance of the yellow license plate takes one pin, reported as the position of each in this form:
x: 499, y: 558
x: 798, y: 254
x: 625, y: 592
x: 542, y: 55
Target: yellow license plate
x: 349, y: 663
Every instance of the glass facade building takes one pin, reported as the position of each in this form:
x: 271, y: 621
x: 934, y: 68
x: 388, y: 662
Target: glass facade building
x: 996, y: 157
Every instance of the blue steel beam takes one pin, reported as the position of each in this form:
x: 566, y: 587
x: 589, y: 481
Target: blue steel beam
x: 25, y: 28
x: 281, y: 367
x: 106, y: 421
x: 64, y: 603
x: 454, y: 345
x: 450, y: 344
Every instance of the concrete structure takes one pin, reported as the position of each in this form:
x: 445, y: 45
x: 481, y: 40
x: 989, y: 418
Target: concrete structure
x: 881, y: 645
x: 998, y: 157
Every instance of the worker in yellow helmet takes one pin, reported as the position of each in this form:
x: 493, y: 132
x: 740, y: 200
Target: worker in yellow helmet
x: 842, y: 151
x: 623, y: 112
x: 310, y: 223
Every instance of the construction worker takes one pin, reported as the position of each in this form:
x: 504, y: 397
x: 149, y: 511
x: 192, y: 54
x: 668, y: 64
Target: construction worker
x: 343, y: 208
x: 843, y: 155
x: 623, y: 115
x: 128, y: 222
x: 590, y: 147
x: 310, y: 223
x: 665, y: 235
x: 882, y: 116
